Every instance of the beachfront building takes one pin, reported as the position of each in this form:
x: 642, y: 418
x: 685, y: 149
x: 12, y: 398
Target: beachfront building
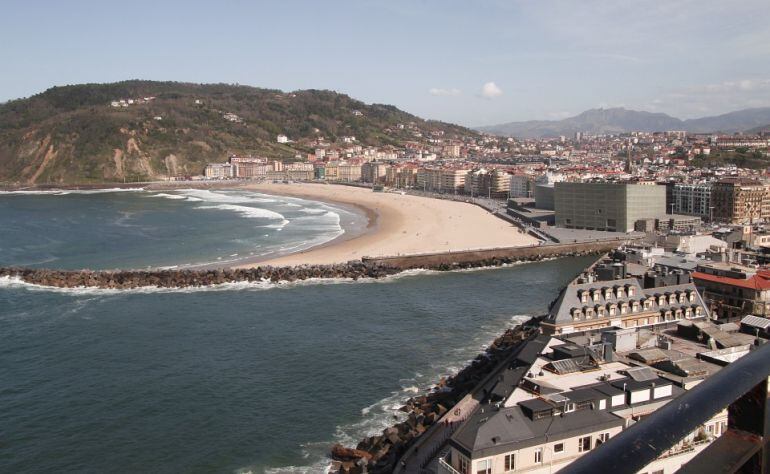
x: 559, y: 400
x: 348, y: 172
x: 251, y: 170
x: 622, y: 304
x: 219, y: 171
x: 373, y: 171
x: 404, y: 176
x: 492, y: 183
x: 607, y: 206
x: 298, y: 171
x: 447, y: 180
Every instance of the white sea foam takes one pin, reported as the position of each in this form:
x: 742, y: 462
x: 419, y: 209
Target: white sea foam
x: 61, y: 192
x: 312, y: 211
x: 170, y: 196
x: 250, y: 212
x: 231, y: 197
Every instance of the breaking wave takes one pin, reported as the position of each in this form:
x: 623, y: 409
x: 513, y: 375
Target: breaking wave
x: 62, y: 192
x: 250, y: 212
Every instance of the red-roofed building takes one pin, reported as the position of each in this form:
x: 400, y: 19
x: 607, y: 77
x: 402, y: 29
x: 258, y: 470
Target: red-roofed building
x: 734, y: 292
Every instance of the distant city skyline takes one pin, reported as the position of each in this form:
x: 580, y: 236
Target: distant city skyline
x: 472, y: 64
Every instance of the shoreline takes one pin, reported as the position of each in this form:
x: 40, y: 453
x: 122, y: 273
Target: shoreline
x: 399, y: 225
x: 396, y: 224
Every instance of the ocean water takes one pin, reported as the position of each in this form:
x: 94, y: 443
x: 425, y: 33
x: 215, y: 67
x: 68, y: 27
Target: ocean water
x: 237, y: 378
x: 138, y: 229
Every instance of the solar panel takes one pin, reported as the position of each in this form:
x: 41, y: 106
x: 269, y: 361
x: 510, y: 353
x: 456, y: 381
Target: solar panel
x: 756, y: 321
x: 565, y: 366
x: 556, y: 398
x: 642, y: 374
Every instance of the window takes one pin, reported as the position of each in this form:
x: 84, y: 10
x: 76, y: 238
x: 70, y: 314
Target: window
x: 584, y: 444
x: 603, y: 438
x: 538, y: 455
x: 465, y: 467
x: 484, y: 467
x: 510, y: 462
x: 558, y: 448
x: 659, y: 471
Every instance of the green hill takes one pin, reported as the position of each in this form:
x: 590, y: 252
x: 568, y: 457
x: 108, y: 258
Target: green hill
x: 73, y: 134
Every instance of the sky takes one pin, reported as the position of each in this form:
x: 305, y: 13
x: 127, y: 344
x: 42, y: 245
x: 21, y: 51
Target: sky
x: 472, y: 63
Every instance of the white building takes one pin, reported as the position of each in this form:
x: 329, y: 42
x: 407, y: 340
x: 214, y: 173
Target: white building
x: 282, y: 139
x: 219, y: 171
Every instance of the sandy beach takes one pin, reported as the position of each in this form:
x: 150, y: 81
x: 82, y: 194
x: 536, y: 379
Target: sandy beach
x: 398, y: 225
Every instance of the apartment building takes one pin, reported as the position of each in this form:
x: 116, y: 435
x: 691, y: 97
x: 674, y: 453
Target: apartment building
x: 488, y: 182
x: 449, y: 180
x: 621, y: 303
x: 219, y: 171
x: 401, y: 176
x: 734, y: 290
x: 251, y: 170
x: 740, y: 201
x: 373, y: 171
x: 348, y: 172
x: 560, y: 400
x: 691, y: 199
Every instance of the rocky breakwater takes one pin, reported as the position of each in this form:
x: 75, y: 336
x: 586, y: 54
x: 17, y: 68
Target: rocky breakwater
x: 355, y: 269
x: 379, y: 454
x: 131, y: 279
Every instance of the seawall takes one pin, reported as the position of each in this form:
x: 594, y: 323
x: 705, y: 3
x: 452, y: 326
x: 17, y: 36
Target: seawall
x: 535, y: 252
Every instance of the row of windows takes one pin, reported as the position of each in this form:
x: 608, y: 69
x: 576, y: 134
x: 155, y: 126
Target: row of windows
x: 612, y: 310
x: 585, y: 443
x: 662, y: 299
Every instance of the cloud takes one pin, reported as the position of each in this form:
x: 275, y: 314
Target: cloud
x: 437, y: 91
x: 715, y: 98
x: 490, y: 90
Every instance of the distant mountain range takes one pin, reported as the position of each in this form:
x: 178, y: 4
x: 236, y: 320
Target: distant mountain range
x: 620, y: 120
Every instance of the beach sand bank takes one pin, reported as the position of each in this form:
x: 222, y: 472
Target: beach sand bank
x: 399, y: 224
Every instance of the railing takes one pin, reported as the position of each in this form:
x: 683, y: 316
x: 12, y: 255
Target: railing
x: 741, y: 386
x: 446, y: 468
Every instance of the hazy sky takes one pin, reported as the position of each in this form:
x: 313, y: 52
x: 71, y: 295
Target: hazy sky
x: 474, y: 63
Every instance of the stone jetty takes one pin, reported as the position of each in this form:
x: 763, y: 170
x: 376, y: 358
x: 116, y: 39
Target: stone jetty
x: 356, y: 269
